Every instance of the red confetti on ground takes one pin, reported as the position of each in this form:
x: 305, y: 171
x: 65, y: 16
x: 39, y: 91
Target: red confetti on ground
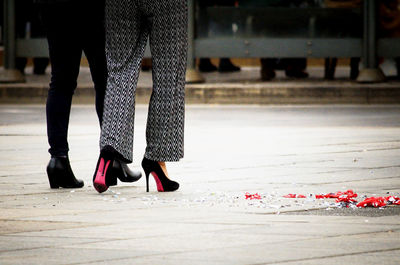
x: 341, y: 195
x: 255, y: 196
x: 379, y: 201
x: 290, y: 195
x: 346, y: 198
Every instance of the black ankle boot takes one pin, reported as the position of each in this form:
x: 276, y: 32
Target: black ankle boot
x: 124, y: 173
x: 60, y: 174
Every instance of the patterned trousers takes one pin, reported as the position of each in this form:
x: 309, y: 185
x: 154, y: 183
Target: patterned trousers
x: 129, y: 24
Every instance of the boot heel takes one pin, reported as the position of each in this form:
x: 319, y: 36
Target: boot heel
x: 111, y: 179
x: 53, y: 182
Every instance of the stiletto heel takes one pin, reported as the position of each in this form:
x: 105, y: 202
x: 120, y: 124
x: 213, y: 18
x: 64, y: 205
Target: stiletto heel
x: 163, y: 182
x: 147, y: 182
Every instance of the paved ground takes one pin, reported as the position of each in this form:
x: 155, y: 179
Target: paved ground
x: 230, y: 150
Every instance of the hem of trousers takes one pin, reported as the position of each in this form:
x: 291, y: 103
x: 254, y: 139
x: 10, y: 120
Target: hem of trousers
x: 124, y: 158
x: 120, y: 155
x: 163, y: 158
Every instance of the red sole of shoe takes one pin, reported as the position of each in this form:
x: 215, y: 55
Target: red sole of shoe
x: 160, y: 187
x: 99, y: 182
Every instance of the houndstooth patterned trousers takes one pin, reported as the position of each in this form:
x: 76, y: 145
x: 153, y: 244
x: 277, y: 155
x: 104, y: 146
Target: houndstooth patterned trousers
x: 129, y: 23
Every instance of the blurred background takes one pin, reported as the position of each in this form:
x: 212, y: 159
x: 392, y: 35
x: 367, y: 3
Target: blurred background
x: 233, y: 41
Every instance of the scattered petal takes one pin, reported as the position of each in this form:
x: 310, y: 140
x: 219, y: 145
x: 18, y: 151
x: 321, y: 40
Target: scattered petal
x: 290, y: 195
x: 254, y: 196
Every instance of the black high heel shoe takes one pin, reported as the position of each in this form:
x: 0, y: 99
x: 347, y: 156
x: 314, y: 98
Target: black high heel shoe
x: 123, y: 172
x: 60, y: 174
x: 103, y: 176
x: 162, y: 181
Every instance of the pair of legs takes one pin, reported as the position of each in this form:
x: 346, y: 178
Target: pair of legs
x: 225, y: 66
x: 129, y: 25
x: 71, y: 28
x: 330, y: 68
x: 294, y: 67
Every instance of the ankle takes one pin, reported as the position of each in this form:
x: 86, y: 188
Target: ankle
x: 163, y: 167
x: 60, y: 156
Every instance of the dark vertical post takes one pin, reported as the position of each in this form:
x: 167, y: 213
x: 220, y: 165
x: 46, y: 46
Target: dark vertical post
x: 371, y: 72
x: 9, y: 34
x: 10, y: 74
x: 369, y: 52
x: 192, y: 75
x: 191, y: 25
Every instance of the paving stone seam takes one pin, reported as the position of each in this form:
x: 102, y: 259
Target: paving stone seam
x: 355, y: 143
x: 51, y: 245
x: 331, y: 256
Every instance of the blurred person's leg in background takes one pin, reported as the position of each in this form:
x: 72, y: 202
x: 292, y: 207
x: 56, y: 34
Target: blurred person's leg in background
x: 225, y: 64
x: 28, y: 25
x: 268, y: 66
x: 389, y: 23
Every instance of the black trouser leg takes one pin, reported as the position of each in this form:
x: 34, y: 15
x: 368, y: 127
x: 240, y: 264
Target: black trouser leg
x: 330, y: 67
x: 65, y: 54
x: 397, y: 60
x: 65, y: 69
x: 94, y: 48
x: 20, y: 64
x: 354, y: 67
x: 98, y: 69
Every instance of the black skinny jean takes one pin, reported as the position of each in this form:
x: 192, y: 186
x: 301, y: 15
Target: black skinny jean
x: 72, y: 27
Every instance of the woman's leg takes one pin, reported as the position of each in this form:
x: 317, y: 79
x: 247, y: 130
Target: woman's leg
x: 93, y: 39
x: 65, y: 55
x: 168, y: 42
x: 126, y: 37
